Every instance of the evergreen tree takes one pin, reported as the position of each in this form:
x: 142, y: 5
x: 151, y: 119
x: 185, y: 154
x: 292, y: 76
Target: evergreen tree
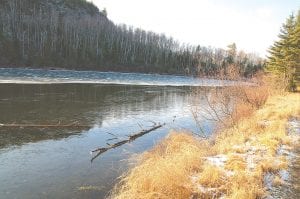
x: 284, y: 54
x: 104, y: 12
x: 296, y: 48
x: 231, y: 53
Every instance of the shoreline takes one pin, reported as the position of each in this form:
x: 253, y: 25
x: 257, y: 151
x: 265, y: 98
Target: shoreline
x: 244, y: 161
x: 188, y: 81
x: 104, y: 70
x: 212, y: 77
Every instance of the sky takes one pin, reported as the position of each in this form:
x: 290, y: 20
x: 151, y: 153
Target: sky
x: 252, y: 24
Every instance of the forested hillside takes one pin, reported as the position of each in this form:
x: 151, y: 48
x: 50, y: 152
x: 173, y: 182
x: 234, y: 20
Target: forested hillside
x: 74, y: 34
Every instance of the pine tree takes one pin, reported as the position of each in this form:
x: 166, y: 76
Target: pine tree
x: 231, y: 53
x: 104, y: 12
x: 284, y: 54
x: 296, y: 48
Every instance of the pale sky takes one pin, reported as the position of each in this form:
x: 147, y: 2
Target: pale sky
x: 252, y: 24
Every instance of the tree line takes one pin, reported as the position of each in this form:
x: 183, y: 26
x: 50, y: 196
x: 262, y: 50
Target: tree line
x: 76, y: 35
x: 284, y: 58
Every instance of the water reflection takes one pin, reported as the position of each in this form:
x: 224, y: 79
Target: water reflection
x: 69, y: 103
x: 55, y: 163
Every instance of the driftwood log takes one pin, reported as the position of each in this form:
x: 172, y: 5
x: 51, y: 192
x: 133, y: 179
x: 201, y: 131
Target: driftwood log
x: 130, y: 139
x: 72, y: 125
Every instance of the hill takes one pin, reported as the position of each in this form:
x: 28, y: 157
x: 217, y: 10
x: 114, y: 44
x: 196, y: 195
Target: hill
x: 74, y: 34
x: 66, y: 7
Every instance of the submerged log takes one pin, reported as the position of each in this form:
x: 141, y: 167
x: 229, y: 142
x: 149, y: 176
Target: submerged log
x: 72, y: 125
x: 143, y: 132
x: 131, y: 138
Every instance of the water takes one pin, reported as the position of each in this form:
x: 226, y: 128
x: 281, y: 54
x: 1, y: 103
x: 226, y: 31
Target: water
x: 39, y: 76
x: 56, y: 163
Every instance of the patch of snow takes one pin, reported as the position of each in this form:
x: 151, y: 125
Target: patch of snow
x: 268, y: 180
x: 218, y: 160
x: 203, y: 189
x: 229, y: 173
x: 294, y: 126
x: 283, y: 150
x: 284, y: 175
x: 250, y: 159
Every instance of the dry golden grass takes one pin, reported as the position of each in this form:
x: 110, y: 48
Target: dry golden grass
x: 164, y: 172
x: 271, y: 164
x: 211, y: 176
x: 244, y: 185
x: 277, y: 181
x: 168, y: 169
x: 235, y: 162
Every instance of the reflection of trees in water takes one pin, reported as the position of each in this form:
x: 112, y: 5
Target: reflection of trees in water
x: 84, y: 103
x: 19, y: 136
x: 142, y: 100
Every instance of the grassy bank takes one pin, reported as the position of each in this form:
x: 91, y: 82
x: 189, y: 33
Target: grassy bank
x: 232, y: 164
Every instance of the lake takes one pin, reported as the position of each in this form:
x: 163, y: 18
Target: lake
x: 56, y: 162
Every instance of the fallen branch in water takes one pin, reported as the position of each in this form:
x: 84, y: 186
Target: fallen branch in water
x: 72, y: 125
x: 131, y: 138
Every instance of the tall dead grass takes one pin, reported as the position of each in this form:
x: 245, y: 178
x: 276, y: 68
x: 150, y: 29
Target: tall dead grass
x: 178, y: 166
x: 164, y: 172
